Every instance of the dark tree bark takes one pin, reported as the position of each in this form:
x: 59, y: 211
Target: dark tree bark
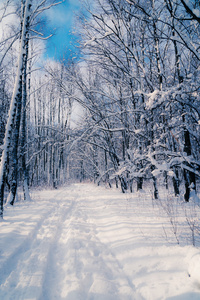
x: 16, y: 98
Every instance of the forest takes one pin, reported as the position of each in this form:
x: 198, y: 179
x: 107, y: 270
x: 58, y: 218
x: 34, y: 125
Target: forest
x: 124, y: 112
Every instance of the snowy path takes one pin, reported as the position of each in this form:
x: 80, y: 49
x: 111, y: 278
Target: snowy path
x: 87, y: 243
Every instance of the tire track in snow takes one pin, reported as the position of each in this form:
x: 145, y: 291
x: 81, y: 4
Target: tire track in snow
x: 107, y: 266
x: 15, y: 256
x: 23, y: 270
x: 111, y: 269
x: 51, y: 268
x: 81, y: 267
x: 112, y: 263
x: 11, y: 261
x: 65, y: 259
x: 56, y: 278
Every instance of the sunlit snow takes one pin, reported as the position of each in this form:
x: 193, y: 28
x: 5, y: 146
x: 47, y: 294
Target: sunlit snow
x: 85, y: 242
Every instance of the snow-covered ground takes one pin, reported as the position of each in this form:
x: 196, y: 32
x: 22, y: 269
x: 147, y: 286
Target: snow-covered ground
x: 83, y: 242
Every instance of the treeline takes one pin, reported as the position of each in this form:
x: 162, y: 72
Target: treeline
x: 135, y: 87
x: 140, y: 85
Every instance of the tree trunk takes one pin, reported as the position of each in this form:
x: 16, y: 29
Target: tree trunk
x: 14, y: 101
x: 24, y: 123
x: 189, y: 177
x: 139, y: 183
x: 14, y: 155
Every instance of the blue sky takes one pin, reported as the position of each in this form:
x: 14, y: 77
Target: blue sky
x: 59, y: 20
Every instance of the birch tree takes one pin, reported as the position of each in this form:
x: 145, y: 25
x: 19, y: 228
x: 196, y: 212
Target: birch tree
x: 12, y: 131
x: 15, y: 101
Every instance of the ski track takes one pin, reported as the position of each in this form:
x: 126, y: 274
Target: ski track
x: 23, y: 270
x: 75, y: 254
x: 75, y: 248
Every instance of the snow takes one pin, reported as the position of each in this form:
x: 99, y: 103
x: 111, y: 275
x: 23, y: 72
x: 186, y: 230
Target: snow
x: 85, y: 242
x: 12, y: 109
x: 196, y: 12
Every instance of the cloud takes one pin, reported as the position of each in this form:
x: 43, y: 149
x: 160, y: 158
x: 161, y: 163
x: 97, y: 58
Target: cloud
x: 62, y: 14
x: 8, y: 20
x: 59, y: 17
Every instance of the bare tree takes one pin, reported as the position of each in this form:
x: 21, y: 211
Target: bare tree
x: 19, y: 96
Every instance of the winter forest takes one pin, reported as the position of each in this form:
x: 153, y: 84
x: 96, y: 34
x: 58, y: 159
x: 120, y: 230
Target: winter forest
x: 100, y: 152
x: 134, y: 87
